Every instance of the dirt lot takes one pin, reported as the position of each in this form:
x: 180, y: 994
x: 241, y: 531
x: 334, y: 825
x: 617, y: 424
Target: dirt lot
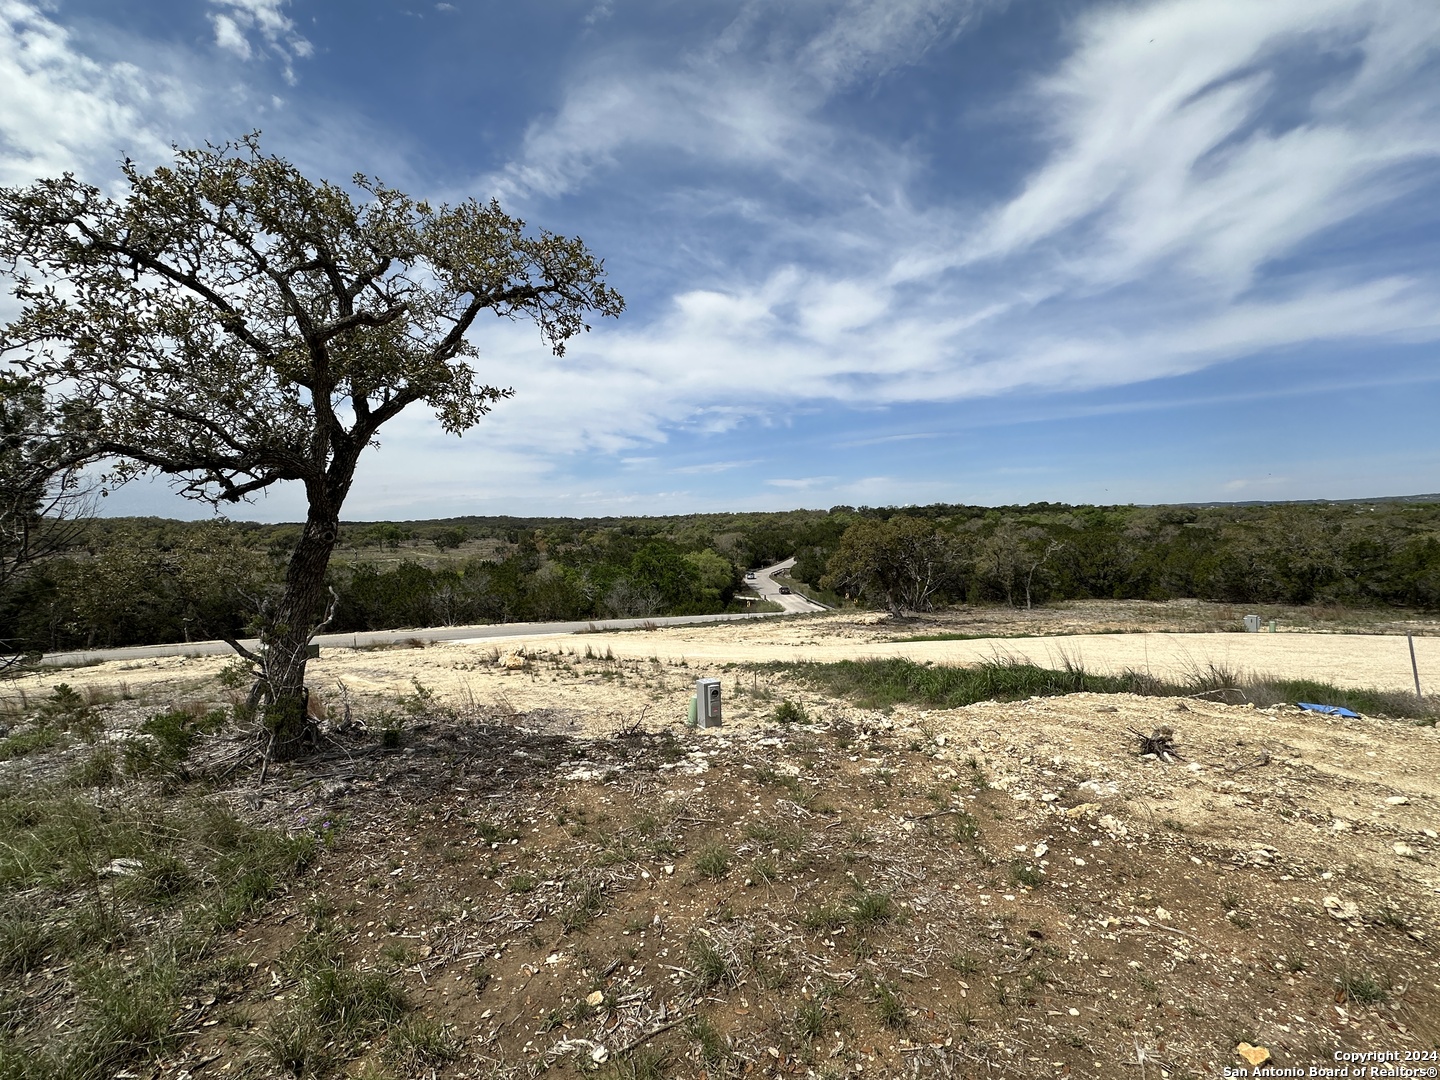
x: 1169, y: 640
x: 568, y: 878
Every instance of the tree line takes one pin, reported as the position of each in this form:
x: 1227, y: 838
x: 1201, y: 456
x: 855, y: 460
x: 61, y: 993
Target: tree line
x: 1365, y: 554
x: 129, y: 581
x: 148, y: 581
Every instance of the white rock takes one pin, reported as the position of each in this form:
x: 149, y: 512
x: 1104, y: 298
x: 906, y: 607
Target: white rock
x: 1111, y: 825
x: 1404, y: 850
x: 1397, y: 800
x: 1162, y: 914
x: 1341, y: 909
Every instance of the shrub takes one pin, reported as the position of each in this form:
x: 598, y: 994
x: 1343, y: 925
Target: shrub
x: 788, y: 712
x: 175, y: 731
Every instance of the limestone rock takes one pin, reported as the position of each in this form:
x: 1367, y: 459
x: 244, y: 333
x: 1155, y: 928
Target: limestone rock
x: 1341, y: 909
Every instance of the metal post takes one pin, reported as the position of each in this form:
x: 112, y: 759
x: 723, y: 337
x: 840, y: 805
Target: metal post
x: 1414, y: 667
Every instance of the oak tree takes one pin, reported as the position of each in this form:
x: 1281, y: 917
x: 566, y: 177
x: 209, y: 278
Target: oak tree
x: 902, y: 563
x: 234, y: 325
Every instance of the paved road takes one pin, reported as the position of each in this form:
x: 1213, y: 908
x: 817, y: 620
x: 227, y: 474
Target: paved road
x: 763, y: 583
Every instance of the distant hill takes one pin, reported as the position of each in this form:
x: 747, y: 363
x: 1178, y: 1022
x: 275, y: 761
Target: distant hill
x: 1434, y: 498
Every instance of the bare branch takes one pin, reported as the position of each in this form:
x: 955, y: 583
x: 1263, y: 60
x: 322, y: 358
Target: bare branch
x: 234, y: 643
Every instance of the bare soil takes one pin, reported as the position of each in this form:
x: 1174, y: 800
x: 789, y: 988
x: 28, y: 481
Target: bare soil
x: 559, y: 868
x: 1169, y: 640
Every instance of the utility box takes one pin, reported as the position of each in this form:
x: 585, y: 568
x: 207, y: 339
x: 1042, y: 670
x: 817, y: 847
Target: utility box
x: 707, y: 703
x: 1252, y: 624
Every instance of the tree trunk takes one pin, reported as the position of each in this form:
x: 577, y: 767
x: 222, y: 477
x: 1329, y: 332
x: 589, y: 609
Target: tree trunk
x: 287, y: 637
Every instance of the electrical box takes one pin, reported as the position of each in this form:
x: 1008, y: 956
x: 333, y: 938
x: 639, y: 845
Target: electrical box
x: 707, y: 703
x: 1252, y: 624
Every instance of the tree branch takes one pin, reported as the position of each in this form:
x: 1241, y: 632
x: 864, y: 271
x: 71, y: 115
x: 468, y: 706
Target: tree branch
x: 232, y: 321
x: 234, y: 643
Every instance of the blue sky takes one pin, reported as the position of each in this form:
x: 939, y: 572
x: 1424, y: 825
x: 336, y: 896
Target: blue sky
x: 881, y: 253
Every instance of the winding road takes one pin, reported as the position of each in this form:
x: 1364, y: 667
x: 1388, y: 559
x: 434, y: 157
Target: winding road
x: 794, y: 604
x: 763, y: 583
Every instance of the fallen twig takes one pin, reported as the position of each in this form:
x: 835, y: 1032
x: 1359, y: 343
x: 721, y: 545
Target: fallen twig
x: 641, y: 1040
x: 934, y: 814
x: 1218, y: 690
x: 265, y: 765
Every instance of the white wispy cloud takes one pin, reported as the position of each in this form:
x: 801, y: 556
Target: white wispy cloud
x: 1181, y: 165
x: 712, y: 467
x: 230, y: 37
x: 61, y: 109
x: 239, y: 19
x: 803, y: 483
x: 1164, y: 152
x: 1251, y: 483
x: 748, y: 99
x: 83, y: 96
x: 864, y: 39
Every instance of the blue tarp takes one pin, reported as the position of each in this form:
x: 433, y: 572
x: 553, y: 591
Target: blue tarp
x: 1331, y: 710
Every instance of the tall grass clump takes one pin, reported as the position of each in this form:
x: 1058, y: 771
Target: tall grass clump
x: 883, y: 683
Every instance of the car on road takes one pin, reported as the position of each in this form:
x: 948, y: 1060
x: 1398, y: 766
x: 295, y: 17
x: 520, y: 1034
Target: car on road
x: 785, y: 590
x: 749, y: 575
